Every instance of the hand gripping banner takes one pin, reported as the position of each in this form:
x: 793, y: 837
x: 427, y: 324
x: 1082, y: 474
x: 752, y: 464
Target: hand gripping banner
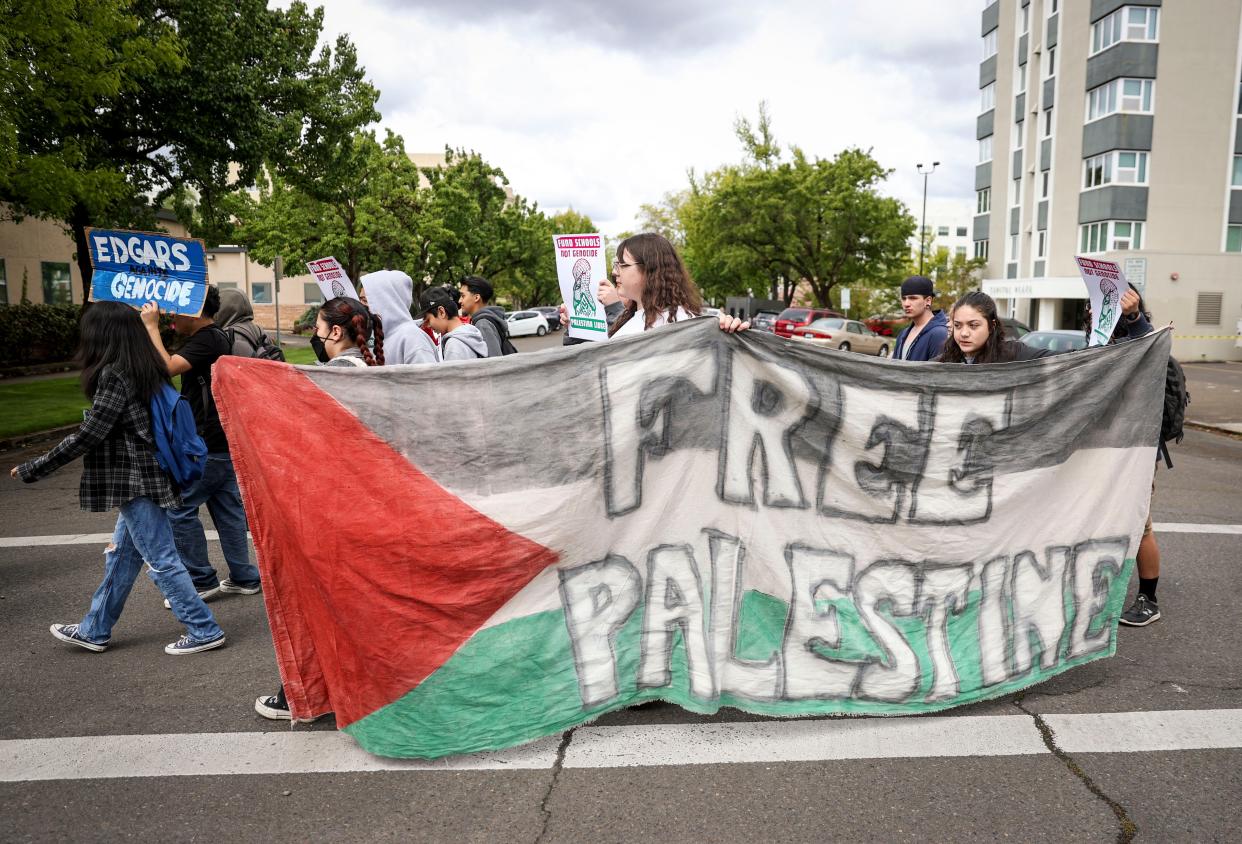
x: 690, y: 516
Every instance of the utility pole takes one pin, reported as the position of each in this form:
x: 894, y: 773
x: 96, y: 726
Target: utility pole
x: 278, y: 269
x: 923, y: 225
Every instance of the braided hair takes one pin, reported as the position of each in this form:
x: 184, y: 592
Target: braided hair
x: 358, y: 323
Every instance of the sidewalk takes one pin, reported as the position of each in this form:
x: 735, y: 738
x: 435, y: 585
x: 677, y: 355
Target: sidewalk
x: 1215, y: 395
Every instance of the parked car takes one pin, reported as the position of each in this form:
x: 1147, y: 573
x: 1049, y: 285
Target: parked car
x: 764, y: 321
x: 1056, y: 341
x: 886, y: 325
x: 791, y: 319
x: 525, y: 323
x: 846, y: 335
x: 1014, y: 330
x: 552, y: 315
x: 709, y: 311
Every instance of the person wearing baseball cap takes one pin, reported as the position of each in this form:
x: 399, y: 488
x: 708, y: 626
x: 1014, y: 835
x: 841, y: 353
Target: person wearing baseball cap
x: 924, y: 337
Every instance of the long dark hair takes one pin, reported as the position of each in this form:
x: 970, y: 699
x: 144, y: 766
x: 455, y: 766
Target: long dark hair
x: 1120, y: 332
x: 112, y: 335
x: 358, y: 323
x: 995, y: 350
x: 666, y: 284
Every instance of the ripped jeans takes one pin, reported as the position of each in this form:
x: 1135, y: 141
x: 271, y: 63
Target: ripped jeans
x: 143, y: 533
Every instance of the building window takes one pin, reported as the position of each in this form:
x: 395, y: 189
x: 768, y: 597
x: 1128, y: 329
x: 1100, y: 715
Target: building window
x: 1110, y: 235
x: 1208, y: 308
x: 4, y: 283
x: 1048, y: 123
x: 1240, y: 99
x: 1052, y: 63
x: 1052, y: 7
x: 1041, y: 244
x: 1045, y: 184
x: 990, y: 44
x: 261, y: 292
x: 987, y: 97
x: 961, y: 231
x: 1125, y: 95
x: 1015, y: 192
x: 57, y: 284
x: 981, y: 249
x: 1019, y: 130
x: 1013, y: 247
x: 1129, y: 23
x: 960, y: 251
x: 1233, y: 239
x: 311, y: 294
x: 1237, y: 171
x: 983, y: 201
x: 942, y: 231
x: 985, y: 149
x: 1121, y: 167
x: 1021, y: 78
x: 1026, y: 19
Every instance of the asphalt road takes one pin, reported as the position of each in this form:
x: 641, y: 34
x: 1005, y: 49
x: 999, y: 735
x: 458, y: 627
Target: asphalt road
x: 1188, y: 663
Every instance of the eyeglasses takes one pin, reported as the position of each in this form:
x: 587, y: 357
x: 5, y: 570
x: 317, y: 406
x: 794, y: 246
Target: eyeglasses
x: 620, y: 265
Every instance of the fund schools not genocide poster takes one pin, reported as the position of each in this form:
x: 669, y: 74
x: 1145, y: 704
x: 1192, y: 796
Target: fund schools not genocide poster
x: 716, y: 520
x: 580, y: 265
x: 141, y: 267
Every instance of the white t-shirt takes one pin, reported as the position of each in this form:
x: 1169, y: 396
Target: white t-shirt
x: 637, y: 323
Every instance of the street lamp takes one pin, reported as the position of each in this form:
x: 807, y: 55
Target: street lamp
x: 923, y: 227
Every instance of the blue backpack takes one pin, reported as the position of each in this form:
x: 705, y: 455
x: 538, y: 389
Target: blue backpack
x: 179, y: 449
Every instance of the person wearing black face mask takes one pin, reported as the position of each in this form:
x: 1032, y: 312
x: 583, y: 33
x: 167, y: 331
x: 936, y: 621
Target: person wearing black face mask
x: 343, y: 328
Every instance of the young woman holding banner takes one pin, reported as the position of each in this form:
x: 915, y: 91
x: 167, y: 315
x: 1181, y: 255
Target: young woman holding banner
x: 121, y: 372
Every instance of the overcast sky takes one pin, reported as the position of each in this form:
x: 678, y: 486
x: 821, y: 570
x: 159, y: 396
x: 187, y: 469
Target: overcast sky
x: 604, y: 106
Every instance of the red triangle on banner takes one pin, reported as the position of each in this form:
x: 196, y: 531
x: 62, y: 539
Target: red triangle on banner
x: 373, y: 574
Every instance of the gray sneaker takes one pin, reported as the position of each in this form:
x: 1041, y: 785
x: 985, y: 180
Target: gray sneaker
x: 1141, y: 613
x: 230, y: 587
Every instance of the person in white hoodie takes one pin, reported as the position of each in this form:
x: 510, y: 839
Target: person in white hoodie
x: 458, y: 340
x: 389, y: 294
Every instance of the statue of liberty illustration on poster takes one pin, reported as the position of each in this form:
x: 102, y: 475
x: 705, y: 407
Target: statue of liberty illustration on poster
x: 580, y: 265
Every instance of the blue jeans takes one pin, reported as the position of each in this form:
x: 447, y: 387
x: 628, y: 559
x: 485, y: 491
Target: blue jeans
x: 217, y: 488
x: 143, y: 533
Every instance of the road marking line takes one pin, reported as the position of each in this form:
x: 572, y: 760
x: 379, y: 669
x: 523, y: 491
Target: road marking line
x: 1183, y: 527
x: 307, y: 752
x: 105, y: 538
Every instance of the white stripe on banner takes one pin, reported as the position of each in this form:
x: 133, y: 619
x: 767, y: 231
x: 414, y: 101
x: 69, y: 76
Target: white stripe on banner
x: 104, y: 538
x: 309, y: 752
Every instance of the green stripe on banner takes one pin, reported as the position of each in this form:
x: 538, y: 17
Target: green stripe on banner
x: 516, y: 682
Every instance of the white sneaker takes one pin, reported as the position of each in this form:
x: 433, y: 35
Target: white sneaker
x: 187, y: 644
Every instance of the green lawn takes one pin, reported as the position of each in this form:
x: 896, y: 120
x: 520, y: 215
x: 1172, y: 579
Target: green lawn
x: 30, y: 406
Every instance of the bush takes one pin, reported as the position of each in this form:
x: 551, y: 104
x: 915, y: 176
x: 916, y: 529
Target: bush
x: 38, y: 333
x: 307, y: 320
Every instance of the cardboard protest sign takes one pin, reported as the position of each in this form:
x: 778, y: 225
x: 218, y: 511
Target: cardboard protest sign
x: 716, y: 520
x: 1105, y: 284
x: 141, y: 267
x: 332, y: 279
x: 580, y: 265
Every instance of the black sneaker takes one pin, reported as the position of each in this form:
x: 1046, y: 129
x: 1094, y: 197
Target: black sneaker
x: 273, y: 707
x: 230, y: 587
x: 1141, y: 613
x: 69, y: 633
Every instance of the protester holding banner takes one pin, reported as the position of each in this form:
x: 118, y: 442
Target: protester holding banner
x: 978, y: 336
x: 389, y: 295
x: 345, y: 329
x: 121, y: 373
x: 924, y: 338
x: 217, y: 488
x: 458, y: 340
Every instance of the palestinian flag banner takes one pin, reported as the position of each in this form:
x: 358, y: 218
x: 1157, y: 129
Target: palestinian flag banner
x: 465, y: 557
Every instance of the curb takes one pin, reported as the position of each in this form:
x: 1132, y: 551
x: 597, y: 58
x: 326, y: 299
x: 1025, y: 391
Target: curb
x: 1213, y: 429
x: 23, y: 440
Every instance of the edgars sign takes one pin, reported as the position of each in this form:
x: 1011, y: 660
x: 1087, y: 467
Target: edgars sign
x: 140, y: 267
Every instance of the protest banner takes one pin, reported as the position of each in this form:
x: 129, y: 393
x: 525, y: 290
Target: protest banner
x: 332, y: 279
x: 1105, y: 283
x: 140, y: 267
x: 716, y: 520
x: 580, y: 265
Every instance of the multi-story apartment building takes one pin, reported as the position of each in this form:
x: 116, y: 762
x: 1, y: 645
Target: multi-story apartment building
x: 1110, y: 128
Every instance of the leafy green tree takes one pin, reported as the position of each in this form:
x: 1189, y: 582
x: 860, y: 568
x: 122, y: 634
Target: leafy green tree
x: 116, y: 108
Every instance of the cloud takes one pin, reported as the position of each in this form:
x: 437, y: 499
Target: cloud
x: 603, y: 111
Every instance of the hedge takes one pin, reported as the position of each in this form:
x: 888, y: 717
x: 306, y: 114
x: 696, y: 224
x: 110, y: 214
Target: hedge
x: 49, y: 333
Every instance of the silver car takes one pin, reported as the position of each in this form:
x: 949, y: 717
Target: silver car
x: 846, y: 335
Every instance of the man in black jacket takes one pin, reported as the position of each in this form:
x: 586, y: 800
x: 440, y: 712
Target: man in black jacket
x: 476, y: 292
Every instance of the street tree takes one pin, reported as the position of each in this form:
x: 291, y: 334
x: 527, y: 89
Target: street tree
x: 114, y: 109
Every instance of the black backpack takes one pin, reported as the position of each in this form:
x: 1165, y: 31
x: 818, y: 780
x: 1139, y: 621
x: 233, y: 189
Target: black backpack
x: 1175, y: 400
x: 502, y: 329
x: 266, y: 350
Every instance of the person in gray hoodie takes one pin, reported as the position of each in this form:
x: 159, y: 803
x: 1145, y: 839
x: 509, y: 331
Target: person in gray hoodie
x: 389, y: 294
x: 236, y: 319
x: 458, y: 340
